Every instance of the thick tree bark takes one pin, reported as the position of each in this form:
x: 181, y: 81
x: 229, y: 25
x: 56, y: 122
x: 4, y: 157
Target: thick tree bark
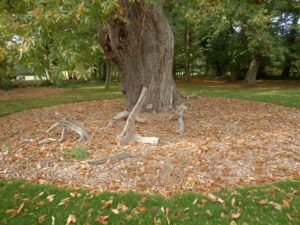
x: 143, y: 50
x: 250, y: 78
x: 287, y: 68
x: 187, y: 37
x: 107, y: 75
x: 234, y: 73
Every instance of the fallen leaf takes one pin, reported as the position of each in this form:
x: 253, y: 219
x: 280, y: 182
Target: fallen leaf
x: 105, y: 204
x: 50, y: 197
x: 222, y: 215
x: 232, y: 201
x: 212, y: 197
x: 221, y: 200
x: 11, y: 211
x: 73, y: 194
x: 276, y: 205
x: 140, y: 209
x: 233, y: 223
x: 64, y: 201
x: 290, y: 216
x: 102, y: 219
x: 167, y: 212
x: 285, y: 203
x: 20, y: 208
x: 39, y: 195
x: 71, y: 219
x: 263, y: 202
x: 208, y: 212
x: 40, y: 203
x: 42, y: 218
x: 235, y: 215
x: 143, y: 199
x: 122, y: 207
x: 115, y: 211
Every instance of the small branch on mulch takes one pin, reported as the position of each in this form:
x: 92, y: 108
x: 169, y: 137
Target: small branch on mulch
x: 121, y: 115
x: 115, y: 157
x: 47, y: 140
x: 191, y: 96
x: 79, y: 129
x: 126, y: 135
x: 179, y: 113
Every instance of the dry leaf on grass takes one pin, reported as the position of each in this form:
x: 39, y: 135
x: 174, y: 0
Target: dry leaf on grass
x: 102, y: 219
x: 122, y: 207
x: 235, y: 215
x: 42, y: 218
x: 51, y: 197
x: 71, y: 219
x: 115, y: 211
x: 263, y: 202
x: 106, y: 204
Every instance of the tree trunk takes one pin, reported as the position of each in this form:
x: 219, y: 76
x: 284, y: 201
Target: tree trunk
x: 107, y: 75
x: 234, y: 73
x: 143, y: 50
x: 187, y: 38
x: 286, y: 68
x: 251, y: 74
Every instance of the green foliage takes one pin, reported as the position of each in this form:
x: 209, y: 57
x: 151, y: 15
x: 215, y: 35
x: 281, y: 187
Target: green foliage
x: 45, y: 83
x: 7, y: 84
x: 281, y: 207
x: 78, y: 153
x: 226, y: 34
x: 5, y: 148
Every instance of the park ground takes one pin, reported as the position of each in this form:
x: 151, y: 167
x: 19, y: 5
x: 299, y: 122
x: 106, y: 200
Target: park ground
x: 231, y: 141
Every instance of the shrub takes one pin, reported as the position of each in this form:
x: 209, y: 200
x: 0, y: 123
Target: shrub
x: 7, y: 84
x: 78, y: 153
x: 45, y: 83
x: 5, y: 148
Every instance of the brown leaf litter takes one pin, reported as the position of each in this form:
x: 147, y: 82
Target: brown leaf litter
x: 228, y: 142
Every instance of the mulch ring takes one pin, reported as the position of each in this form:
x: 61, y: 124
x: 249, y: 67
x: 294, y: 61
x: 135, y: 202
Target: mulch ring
x: 228, y: 142
x: 26, y: 92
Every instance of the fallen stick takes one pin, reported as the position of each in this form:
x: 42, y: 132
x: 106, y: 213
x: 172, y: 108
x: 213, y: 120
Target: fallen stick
x: 121, y: 115
x: 73, y: 126
x: 47, y: 140
x: 191, y: 96
x: 126, y: 135
x: 179, y: 113
x: 115, y: 157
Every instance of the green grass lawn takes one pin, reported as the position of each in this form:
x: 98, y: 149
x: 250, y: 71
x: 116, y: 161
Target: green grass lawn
x: 284, y: 95
x: 24, y: 203
x: 27, y: 204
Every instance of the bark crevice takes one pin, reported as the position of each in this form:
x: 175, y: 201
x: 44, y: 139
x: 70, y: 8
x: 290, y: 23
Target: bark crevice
x: 143, y: 49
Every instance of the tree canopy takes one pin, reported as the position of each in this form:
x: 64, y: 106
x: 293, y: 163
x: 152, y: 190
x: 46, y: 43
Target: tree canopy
x: 216, y: 38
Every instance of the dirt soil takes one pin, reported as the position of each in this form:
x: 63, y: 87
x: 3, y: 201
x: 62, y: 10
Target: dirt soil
x: 28, y: 92
x: 227, y: 142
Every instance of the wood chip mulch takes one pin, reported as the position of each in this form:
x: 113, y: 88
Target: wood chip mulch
x: 227, y: 143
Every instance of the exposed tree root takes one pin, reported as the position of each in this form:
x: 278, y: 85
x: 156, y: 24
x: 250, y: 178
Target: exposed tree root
x: 122, y: 115
x: 179, y: 113
x: 126, y: 135
x: 73, y: 126
x: 79, y: 129
x: 191, y: 96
